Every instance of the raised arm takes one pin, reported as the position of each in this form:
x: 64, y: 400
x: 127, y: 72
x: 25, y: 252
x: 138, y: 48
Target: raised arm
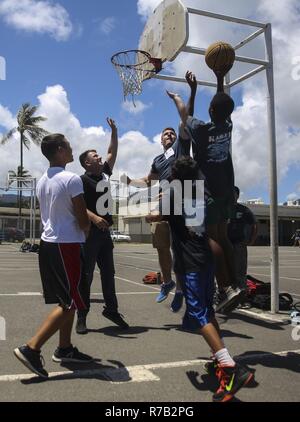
x: 181, y: 108
x: 113, y: 147
x: 192, y: 81
x: 220, y: 78
x: 143, y: 182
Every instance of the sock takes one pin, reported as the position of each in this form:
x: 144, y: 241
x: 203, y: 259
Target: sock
x: 167, y: 282
x: 224, y: 358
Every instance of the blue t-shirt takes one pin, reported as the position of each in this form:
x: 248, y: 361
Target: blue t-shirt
x: 163, y: 163
x: 211, y: 149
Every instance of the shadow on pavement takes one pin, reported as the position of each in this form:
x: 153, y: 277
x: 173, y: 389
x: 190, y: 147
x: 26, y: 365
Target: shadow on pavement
x: 129, y: 333
x: 225, y: 333
x: 291, y: 361
x: 277, y: 326
x: 116, y: 372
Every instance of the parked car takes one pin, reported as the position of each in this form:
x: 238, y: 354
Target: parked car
x: 119, y: 237
x: 12, y: 234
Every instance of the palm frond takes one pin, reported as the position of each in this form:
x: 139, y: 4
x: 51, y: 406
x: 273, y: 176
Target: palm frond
x: 36, y: 134
x: 37, y: 119
x: 26, y: 142
x: 12, y: 173
x: 6, y: 137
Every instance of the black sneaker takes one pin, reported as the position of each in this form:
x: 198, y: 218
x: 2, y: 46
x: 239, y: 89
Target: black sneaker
x: 232, y: 379
x: 81, y: 326
x: 32, y: 359
x: 70, y: 355
x: 116, y: 318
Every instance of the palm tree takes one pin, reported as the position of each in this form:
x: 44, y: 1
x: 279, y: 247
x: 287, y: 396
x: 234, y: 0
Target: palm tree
x: 29, y: 130
x: 20, y: 173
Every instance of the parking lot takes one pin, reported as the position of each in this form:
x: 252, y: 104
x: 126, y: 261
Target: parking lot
x: 154, y: 360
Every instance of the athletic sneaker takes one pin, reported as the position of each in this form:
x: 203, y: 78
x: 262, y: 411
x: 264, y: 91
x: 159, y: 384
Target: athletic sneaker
x: 115, y: 317
x: 228, y: 299
x: 232, y: 379
x: 165, y: 290
x: 81, y: 325
x: 177, y: 302
x: 211, y: 367
x: 70, y: 355
x: 32, y: 359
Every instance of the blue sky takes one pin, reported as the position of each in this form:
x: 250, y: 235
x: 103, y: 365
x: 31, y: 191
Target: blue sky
x: 72, y: 59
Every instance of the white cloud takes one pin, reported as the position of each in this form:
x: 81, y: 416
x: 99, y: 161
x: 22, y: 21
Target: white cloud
x: 145, y: 7
x: 54, y: 105
x: 292, y: 197
x: 137, y: 107
x: 108, y: 25
x: 7, y: 120
x: 250, y: 141
x: 41, y: 16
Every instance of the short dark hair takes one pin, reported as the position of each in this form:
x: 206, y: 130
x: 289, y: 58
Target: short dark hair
x: 185, y: 168
x: 83, y: 157
x: 237, y: 190
x: 169, y: 128
x: 51, y: 143
x: 222, y: 106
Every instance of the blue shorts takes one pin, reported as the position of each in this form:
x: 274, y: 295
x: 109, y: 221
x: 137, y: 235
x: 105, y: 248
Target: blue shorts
x: 199, y: 290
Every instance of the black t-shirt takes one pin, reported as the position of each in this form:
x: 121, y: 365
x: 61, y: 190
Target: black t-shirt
x: 163, y: 163
x: 211, y: 149
x: 189, y: 241
x: 91, y: 196
x: 239, y: 227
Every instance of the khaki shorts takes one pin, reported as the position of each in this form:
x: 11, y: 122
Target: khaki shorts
x: 161, y: 238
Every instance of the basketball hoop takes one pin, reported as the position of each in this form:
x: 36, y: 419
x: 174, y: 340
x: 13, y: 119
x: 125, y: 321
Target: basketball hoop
x: 134, y: 67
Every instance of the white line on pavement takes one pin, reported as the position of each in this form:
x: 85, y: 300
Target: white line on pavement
x: 29, y: 294
x: 137, y: 373
x: 282, y: 277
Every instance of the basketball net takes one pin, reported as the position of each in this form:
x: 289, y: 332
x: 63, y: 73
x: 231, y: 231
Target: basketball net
x: 133, y: 67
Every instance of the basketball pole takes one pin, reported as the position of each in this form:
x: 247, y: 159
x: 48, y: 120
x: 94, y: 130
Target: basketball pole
x: 273, y: 174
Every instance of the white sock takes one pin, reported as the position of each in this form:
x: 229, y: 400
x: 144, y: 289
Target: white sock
x: 224, y: 358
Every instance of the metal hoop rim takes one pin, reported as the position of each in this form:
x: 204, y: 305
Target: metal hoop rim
x: 133, y: 66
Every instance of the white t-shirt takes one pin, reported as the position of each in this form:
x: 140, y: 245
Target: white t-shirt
x: 55, y: 191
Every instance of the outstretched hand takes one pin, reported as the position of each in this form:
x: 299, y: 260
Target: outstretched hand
x: 191, y: 80
x: 111, y: 123
x: 173, y: 95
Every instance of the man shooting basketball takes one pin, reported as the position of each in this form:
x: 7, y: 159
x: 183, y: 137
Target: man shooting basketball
x: 174, y: 148
x: 211, y: 148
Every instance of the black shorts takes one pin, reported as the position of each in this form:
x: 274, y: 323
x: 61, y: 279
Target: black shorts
x: 63, y: 274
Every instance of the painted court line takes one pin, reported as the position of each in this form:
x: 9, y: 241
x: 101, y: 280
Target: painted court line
x: 282, y: 277
x: 137, y: 373
x: 32, y: 294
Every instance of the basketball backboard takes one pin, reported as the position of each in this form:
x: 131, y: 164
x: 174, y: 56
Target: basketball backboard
x: 167, y: 31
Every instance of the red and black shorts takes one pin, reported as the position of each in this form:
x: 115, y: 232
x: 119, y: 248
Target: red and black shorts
x: 63, y: 275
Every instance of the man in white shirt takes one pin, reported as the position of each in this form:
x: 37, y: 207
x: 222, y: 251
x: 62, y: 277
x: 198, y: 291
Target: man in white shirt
x: 66, y: 225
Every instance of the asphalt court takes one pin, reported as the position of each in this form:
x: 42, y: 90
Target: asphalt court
x: 154, y: 360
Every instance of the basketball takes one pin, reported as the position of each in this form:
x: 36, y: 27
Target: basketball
x: 220, y: 56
